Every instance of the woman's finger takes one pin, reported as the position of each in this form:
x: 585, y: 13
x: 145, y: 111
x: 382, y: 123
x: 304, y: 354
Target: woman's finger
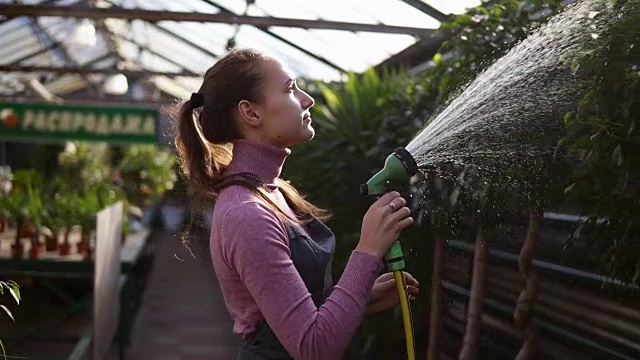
x: 396, y: 204
x: 386, y: 277
x: 384, y: 200
x: 409, y: 279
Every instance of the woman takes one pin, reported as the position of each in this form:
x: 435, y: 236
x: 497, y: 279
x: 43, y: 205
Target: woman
x: 270, y: 250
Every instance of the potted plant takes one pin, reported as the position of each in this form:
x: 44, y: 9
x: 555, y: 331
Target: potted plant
x: 52, y: 224
x: 68, y: 203
x: 90, y: 204
x: 145, y: 173
x: 34, y: 209
x: 6, y: 178
x: 13, y: 209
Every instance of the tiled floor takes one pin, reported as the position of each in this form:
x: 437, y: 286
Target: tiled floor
x: 182, y: 314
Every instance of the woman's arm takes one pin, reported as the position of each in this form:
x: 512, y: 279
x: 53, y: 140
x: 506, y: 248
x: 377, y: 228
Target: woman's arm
x: 257, y: 248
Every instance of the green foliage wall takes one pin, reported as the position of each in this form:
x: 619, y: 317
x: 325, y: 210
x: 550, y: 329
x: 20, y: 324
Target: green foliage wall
x: 604, y: 143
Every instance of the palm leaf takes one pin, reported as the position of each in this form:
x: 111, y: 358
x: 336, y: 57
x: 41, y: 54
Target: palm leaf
x: 8, y: 312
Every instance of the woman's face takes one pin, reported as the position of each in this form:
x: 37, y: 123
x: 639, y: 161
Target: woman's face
x: 284, y: 114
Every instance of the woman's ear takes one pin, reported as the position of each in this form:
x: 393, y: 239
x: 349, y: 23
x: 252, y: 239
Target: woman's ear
x: 248, y: 113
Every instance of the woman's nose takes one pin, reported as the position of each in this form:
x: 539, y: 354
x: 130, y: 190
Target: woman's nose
x: 306, y: 101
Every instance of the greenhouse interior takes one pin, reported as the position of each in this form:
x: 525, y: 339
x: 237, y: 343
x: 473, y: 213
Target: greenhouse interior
x: 508, y: 127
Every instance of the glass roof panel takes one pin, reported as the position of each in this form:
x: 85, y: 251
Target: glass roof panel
x: 210, y: 36
x: 14, y: 29
x: 190, y: 83
x: 389, y: 12
x: 62, y: 30
x: 17, y: 54
x: 191, y: 59
x: 399, y: 13
x: 300, y: 63
x: 235, y: 6
x: 16, y: 50
x: 46, y: 58
x: 172, y: 87
x: 453, y: 7
x: 348, y: 50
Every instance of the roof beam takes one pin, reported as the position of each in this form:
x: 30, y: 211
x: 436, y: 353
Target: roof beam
x: 414, y: 55
x: 9, y: 18
x: 160, y: 104
x: 88, y: 71
x: 153, y: 15
x: 428, y: 9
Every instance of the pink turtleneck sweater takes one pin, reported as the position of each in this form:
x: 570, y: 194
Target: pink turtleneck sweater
x: 251, y: 258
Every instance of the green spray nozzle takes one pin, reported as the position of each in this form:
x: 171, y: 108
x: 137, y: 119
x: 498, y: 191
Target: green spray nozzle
x: 398, y: 168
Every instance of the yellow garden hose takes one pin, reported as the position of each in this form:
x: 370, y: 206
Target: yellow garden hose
x: 398, y: 169
x: 406, y: 314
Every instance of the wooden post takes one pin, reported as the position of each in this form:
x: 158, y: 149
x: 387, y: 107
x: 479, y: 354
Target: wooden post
x: 435, y: 313
x: 523, y: 315
x: 471, y: 340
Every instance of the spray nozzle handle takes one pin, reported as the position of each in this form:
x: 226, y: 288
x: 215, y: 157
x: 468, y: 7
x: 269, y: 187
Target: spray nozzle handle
x: 364, y: 190
x: 388, y: 186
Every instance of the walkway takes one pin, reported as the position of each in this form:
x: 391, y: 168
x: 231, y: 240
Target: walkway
x: 182, y: 314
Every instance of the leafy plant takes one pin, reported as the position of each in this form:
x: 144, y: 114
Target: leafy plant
x: 23, y: 204
x: 14, y: 290
x: 602, y: 138
x: 84, y: 165
x: 145, y: 172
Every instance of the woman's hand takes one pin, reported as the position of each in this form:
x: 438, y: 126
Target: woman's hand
x: 384, y: 294
x: 382, y: 224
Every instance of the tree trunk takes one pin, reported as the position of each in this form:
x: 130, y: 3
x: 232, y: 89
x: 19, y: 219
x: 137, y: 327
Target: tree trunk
x: 471, y: 340
x: 435, y: 316
x: 523, y: 315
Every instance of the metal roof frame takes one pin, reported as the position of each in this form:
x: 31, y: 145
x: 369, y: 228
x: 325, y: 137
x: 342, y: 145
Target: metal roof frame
x: 152, y: 16
x: 426, y: 40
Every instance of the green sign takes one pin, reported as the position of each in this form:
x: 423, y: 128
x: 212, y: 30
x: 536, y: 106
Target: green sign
x: 48, y: 122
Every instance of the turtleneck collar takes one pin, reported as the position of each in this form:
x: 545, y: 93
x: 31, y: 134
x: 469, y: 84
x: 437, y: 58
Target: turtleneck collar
x: 263, y: 160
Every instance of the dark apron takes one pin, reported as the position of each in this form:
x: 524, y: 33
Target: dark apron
x: 311, y: 256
